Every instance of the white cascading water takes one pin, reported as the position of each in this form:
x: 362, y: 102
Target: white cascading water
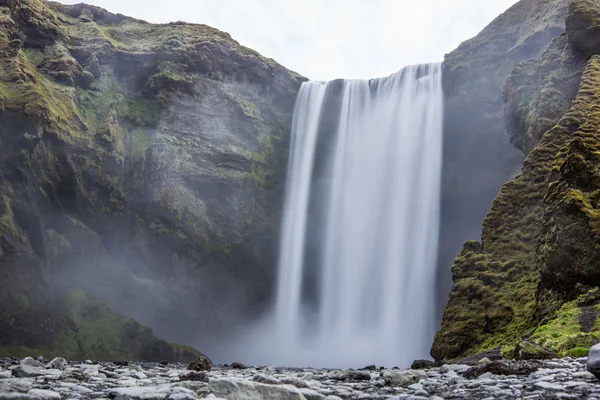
x: 359, y: 239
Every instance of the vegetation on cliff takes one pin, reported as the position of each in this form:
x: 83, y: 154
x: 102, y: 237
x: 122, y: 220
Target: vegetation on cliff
x: 478, y: 157
x: 538, y: 248
x: 136, y: 161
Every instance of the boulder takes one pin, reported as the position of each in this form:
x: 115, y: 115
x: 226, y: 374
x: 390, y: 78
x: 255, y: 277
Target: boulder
x: 238, y: 365
x: 238, y: 389
x: 57, y: 363
x: 28, y: 368
x: 202, y: 363
x: 425, y: 364
x: 403, y: 378
x: 593, y: 364
x: 502, y: 368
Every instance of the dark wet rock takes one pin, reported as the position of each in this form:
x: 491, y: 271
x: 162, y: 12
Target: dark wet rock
x: 121, y: 363
x: 505, y: 367
x: 238, y: 365
x: 369, y: 368
x: 425, y: 364
x: 203, y: 363
x: 353, y: 375
x: 194, y: 376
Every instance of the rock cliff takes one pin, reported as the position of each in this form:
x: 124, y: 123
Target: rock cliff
x: 478, y: 156
x: 533, y: 274
x: 141, y: 166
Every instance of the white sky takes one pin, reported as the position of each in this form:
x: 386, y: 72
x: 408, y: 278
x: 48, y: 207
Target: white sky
x: 328, y: 39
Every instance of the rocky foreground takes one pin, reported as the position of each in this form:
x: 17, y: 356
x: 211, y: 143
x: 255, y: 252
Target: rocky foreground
x: 39, y: 380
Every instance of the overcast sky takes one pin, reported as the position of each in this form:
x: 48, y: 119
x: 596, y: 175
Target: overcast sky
x: 327, y: 39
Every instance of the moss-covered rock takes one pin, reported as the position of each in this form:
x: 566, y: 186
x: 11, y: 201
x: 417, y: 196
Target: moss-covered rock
x: 583, y: 26
x: 478, y: 157
x: 539, y: 246
x: 141, y: 165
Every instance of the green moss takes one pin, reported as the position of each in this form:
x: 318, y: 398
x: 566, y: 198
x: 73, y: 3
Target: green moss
x: 578, y: 352
x: 250, y: 109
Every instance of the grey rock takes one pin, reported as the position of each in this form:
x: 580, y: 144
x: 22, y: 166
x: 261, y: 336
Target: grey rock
x: 357, y: 375
x: 312, y: 394
x: 239, y: 389
x: 17, y: 396
x: 403, y: 378
x: 543, y: 385
x: 81, y: 389
x: 44, y: 394
x: 5, y: 374
x: 266, y: 379
x: 57, y: 363
x: 583, y: 375
x: 593, y: 363
x: 299, y: 383
x: 458, y: 368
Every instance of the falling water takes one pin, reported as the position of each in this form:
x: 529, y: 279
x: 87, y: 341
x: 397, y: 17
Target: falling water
x: 359, y: 239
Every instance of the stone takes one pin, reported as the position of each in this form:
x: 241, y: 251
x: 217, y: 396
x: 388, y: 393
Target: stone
x: 299, y: 383
x: 81, y: 389
x: 543, y: 385
x: 502, y: 368
x: 5, y: 374
x: 17, y: 396
x: 266, y: 379
x: 238, y: 365
x: 583, y: 375
x: 182, y: 396
x: 402, y: 378
x: 425, y: 364
x: 202, y: 363
x: 484, y: 361
x: 57, y: 363
x: 312, y: 394
x: 194, y: 376
x: 357, y: 375
x: 458, y: 368
x: 593, y: 363
x: 44, y: 394
x: 239, y: 389
x: 27, y: 368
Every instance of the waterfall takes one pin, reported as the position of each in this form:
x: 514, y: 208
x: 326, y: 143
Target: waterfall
x: 361, y: 219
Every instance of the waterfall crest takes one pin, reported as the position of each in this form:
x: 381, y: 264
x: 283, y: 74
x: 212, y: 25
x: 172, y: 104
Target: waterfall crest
x: 359, y: 237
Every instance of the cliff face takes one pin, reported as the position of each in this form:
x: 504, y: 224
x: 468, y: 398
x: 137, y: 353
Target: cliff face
x: 478, y: 155
x: 534, y: 271
x: 141, y: 165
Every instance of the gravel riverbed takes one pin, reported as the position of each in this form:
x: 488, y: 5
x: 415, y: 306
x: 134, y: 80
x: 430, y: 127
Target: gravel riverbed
x: 30, y: 379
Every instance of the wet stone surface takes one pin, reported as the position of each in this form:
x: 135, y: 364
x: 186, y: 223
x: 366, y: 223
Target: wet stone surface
x: 58, y: 379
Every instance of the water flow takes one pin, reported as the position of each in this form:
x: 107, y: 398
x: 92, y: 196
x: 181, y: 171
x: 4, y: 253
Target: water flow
x: 359, y: 239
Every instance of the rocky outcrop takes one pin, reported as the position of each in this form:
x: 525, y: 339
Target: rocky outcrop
x: 141, y: 165
x: 478, y: 157
x: 532, y: 273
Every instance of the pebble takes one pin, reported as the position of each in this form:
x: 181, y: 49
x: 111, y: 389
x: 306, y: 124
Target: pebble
x: 29, y: 379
